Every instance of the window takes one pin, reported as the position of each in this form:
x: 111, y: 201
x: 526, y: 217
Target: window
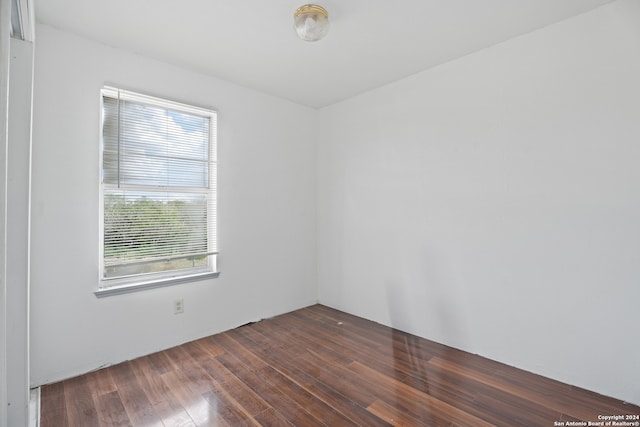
x: 158, y: 192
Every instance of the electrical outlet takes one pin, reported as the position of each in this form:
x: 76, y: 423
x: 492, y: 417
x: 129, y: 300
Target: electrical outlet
x: 178, y: 306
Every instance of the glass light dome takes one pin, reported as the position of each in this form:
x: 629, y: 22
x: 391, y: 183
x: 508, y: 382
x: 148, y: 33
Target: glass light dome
x: 311, y: 22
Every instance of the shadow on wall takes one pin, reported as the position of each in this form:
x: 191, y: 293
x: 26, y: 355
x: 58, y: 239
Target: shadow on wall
x: 427, y: 304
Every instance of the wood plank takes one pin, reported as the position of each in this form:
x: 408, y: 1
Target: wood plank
x: 208, y: 345
x: 53, y: 408
x: 245, y: 397
x: 198, y: 379
x: 81, y: 408
x: 100, y: 382
x: 303, y: 374
x: 263, y: 386
x: 514, y: 411
x: 461, y: 393
x: 110, y: 410
x: 334, y: 373
x: 227, y: 408
x: 391, y: 361
x: 558, y: 401
x: 160, y: 362
x: 317, y: 366
x: 195, y: 404
x: 396, y: 417
x: 418, y: 404
x: 167, y: 408
x: 247, y: 356
x: 314, y: 406
x: 271, y: 418
x: 134, y: 399
x: 306, y: 342
x: 192, y: 361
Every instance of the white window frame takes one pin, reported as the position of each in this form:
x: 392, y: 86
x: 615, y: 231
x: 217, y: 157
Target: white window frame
x: 125, y: 284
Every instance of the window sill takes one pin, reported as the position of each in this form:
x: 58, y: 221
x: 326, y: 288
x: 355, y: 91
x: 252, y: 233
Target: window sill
x: 152, y: 284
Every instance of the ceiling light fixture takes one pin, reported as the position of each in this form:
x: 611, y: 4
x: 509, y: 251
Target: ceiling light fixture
x: 311, y: 22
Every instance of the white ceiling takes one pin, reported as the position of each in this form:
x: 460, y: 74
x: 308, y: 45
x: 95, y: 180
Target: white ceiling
x: 252, y: 42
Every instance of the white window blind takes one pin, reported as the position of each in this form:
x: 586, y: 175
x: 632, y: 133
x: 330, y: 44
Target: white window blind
x: 158, y: 189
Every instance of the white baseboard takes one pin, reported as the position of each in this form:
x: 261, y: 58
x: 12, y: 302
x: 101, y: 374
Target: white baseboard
x: 34, y: 407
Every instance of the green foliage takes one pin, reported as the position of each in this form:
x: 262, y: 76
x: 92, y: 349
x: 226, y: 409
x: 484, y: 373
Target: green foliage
x: 142, y: 227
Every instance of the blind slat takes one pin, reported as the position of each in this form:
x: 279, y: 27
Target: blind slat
x: 159, y: 185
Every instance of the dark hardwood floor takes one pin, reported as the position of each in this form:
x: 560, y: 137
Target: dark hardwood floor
x: 318, y: 367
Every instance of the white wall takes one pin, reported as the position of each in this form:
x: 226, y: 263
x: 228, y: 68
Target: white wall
x: 17, y: 269
x: 492, y: 203
x: 267, y: 212
x: 5, y: 22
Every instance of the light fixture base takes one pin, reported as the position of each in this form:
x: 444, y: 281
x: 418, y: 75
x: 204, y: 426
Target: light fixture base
x: 311, y: 8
